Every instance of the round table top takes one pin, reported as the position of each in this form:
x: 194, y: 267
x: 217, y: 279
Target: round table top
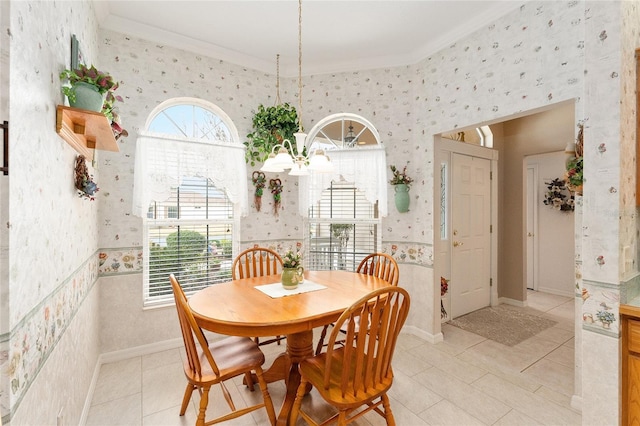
x: 236, y: 308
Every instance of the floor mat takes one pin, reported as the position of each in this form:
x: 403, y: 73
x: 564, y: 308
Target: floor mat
x: 504, y: 324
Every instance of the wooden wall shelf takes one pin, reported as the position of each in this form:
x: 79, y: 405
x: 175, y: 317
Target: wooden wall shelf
x: 85, y: 130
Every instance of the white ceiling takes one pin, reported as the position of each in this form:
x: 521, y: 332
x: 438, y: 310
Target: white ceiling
x: 336, y: 35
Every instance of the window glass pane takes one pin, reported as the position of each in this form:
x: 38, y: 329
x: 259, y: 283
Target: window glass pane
x: 191, y: 121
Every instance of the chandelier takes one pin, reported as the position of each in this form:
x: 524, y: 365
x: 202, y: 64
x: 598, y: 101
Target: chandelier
x: 283, y: 156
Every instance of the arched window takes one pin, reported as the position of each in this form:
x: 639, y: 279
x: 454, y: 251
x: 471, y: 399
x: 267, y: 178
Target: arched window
x: 344, y: 209
x: 190, y: 189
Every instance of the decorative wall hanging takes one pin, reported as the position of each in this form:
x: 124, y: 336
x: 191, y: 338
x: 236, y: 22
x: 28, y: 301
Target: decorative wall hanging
x: 401, y: 184
x: 444, y: 287
x: 259, y: 181
x: 83, y: 180
x: 573, y: 177
x: 558, y: 196
x: 275, y: 186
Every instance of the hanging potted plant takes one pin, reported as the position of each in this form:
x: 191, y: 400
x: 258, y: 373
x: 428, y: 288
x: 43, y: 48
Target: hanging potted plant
x: 271, y: 125
x: 401, y: 183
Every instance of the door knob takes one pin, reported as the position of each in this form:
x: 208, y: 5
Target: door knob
x: 530, y: 234
x: 457, y: 243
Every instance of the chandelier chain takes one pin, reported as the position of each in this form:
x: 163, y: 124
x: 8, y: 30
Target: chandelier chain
x: 278, y: 102
x: 300, y: 64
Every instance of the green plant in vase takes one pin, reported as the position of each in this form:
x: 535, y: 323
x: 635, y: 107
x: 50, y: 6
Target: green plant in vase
x: 401, y: 183
x: 292, y: 272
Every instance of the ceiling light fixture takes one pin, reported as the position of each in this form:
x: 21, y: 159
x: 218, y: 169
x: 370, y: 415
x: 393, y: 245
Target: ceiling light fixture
x: 285, y: 158
x: 349, y: 140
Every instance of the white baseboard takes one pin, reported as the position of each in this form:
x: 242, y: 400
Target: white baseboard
x: 140, y: 350
x: 119, y: 356
x: 576, y: 403
x: 556, y: 291
x: 513, y: 302
x: 415, y: 331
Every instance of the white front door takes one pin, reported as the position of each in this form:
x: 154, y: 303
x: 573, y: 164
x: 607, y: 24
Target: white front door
x: 470, y: 234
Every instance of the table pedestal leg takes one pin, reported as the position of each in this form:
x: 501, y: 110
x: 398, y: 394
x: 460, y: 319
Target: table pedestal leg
x: 299, y: 347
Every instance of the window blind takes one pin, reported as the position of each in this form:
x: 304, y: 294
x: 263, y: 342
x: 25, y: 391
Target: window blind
x: 189, y: 235
x: 343, y: 228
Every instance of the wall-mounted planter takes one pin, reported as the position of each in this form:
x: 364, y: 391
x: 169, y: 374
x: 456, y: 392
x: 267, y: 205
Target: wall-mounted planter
x: 402, y: 197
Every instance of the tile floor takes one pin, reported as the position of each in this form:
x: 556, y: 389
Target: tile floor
x: 465, y: 380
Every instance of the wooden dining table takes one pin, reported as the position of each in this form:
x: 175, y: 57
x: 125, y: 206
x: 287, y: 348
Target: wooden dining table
x: 236, y: 308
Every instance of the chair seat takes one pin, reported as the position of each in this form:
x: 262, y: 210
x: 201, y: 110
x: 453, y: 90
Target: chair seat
x: 233, y: 355
x: 314, y: 368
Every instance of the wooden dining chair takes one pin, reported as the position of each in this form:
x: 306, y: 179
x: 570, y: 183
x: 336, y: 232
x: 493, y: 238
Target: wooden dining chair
x: 380, y: 265
x: 207, y: 365
x: 257, y: 262
x: 354, y: 377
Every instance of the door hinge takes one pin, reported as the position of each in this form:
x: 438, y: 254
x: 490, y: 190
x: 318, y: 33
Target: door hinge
x: 490, y: 282
x: 491, y: 229
x: 490, y: 175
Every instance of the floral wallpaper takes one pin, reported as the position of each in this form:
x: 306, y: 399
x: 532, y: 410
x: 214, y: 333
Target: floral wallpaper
x: 124, y: 260
x: 52, y: 234
x: 34, y: 339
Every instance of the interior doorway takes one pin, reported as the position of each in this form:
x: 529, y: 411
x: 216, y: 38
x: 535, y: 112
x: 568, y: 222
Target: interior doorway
x: 549, y: 223
x: 540, y: 132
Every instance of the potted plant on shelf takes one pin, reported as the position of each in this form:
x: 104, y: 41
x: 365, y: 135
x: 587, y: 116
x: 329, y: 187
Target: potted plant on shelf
x: 401, y: 183
x: 93, y: 90
x: 98, y: 85
x: 271, y: 125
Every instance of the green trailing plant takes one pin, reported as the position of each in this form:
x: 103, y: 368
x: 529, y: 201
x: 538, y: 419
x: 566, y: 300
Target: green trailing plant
x: 271, y: 125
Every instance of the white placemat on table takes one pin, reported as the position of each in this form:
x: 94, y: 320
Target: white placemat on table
x: 276, y: 290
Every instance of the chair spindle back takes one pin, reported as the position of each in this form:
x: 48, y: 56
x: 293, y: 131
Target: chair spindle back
x: 372, y: 326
